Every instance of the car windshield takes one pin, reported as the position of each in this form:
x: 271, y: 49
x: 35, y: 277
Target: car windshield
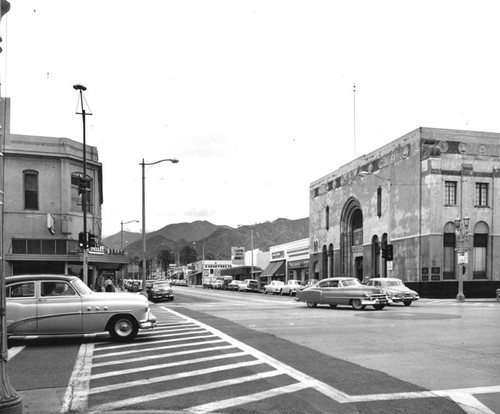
x: 394, y: 283
x: 162, y: 285
x: 81, y: 287
x: 351, y: 282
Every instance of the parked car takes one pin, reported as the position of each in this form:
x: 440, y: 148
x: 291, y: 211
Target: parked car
x: 309, y: 283
x: 291, y: 287
x: 274, y: 287
x: 181, y: 282
x: 218, y: 284
x: 234, y: 284
x: 395, y: 289
x: 134, y: 286
x: 58, y: 304
x: 343, y: 291
x: 160, y: 290
x: 249, y: 285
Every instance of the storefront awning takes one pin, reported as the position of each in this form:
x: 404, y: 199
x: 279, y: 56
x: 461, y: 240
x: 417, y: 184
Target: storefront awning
x: 274, y: 269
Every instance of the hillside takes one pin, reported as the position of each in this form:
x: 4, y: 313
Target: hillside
x: 215, y: 241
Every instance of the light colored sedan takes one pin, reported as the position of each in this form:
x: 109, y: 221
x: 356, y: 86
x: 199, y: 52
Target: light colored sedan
x: 63, y: 305
x: 343, y: 291
x: 395, y: 289
x: 274, y: 287
x: 291, y: 287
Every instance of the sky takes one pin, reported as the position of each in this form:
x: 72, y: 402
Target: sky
x: 254, y: 98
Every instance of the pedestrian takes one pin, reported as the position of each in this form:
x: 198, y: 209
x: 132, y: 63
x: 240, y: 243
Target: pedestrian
x: 109, y: 285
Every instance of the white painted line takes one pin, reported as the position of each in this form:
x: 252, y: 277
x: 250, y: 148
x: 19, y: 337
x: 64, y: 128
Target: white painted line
x: 185, y: 374
x: 171, y: 393
x: 470, y: 404
x: 159, y: 348
x: 12, y: 352
x: 323, y: 388
x: 167, y: 365
x: 232, y: 402
x: 161, y: 356
x: 160, y: 341
x: 76, y: 396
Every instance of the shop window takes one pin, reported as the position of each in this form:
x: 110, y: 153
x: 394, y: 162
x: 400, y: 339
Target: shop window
x: 30, y: 190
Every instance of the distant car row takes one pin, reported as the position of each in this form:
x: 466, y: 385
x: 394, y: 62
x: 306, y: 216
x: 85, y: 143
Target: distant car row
x: 348, y: 291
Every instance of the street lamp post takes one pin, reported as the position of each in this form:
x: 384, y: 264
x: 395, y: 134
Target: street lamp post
x: 82, y: 184
x: 462, y: 232
x: 121, y: 232
x: 143, y: 164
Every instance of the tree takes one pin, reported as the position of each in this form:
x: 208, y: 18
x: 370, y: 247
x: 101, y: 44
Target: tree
x: 166, y: 257
x: 188, y: 255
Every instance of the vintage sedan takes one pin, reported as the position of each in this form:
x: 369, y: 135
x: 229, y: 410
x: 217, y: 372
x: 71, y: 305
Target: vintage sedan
x: 274, y: 287
x: 395, y: 289
x: 160, y: 290
x: 64, y: 305
x: 343, y: 291
x: 291, y: 287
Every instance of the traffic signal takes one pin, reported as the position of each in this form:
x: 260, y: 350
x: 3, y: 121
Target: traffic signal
x: 389, y: 252
x: 82, y: 240
x: 92, y: 240
x: 384, y: 251
x: 82, y: 185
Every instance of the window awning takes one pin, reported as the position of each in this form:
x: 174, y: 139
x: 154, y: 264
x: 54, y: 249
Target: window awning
x: 274, y: 269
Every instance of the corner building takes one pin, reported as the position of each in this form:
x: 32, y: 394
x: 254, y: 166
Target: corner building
x: 408, y: 194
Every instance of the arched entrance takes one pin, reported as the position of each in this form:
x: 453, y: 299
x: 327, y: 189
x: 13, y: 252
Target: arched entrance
x: 351, y: 247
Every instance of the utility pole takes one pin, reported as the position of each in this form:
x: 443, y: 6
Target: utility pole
x: 10, y: 402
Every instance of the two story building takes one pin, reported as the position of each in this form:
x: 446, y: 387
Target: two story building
x: 42, y: 211
x: 406, y: 197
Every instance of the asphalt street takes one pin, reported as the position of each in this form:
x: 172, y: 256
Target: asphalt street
x: 238, y: 353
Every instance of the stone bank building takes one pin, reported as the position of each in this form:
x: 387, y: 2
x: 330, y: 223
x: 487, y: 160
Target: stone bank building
x: 408, y: 195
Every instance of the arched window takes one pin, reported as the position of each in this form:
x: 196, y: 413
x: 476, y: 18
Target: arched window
x: 30, y: 190
x: 480, y: 251
x: 449, y: 240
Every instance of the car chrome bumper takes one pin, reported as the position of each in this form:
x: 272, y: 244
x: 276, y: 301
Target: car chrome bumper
x: 375, y: 301
x: 149, y: 323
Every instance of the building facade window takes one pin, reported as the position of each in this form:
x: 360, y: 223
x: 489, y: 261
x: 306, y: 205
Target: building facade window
x: 327, y: 214
x: 450, y: 193
x: 449, y: 240
x: 480, y: 251
x: 379, y: 202
x: 30, y: 190
x: 481, y: 194
x: 316, y: 192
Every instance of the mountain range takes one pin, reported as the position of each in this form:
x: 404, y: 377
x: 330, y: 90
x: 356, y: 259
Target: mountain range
x: 211, y: 240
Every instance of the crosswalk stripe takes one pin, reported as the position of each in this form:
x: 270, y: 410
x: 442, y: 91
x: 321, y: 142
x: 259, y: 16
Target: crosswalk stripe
x: 232, y: 402
x: 162, y: 356
x: 171, y: 393
x: 185, y: 374
x: 167, y: 365
x: 158, y: 348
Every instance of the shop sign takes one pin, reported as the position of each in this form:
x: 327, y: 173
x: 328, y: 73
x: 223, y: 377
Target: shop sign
x: 278, y: 255
x: 298, y: 264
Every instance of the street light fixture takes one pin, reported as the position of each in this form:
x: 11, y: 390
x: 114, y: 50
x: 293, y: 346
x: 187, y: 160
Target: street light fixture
x: 461, y: 231
x: 143, y: 164
x: 121, y: 232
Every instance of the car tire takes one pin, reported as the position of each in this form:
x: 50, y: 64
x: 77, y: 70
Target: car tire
x: 265, y: 292
x: 407, y: 302
x: 311, y: 304
x: 356, y: 304
x: 333, y: 306
x: 379, y: 306
x: 123, y: 328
